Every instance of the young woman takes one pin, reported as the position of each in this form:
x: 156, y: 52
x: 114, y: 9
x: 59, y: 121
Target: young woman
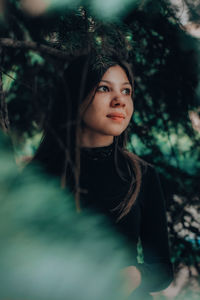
x: 85, y: 145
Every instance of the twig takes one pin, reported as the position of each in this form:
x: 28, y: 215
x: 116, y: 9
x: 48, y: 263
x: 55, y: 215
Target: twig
x: 11, y: 77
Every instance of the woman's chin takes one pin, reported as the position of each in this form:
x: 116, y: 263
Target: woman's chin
x: 115, y: 132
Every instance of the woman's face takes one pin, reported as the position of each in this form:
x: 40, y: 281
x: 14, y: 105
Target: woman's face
x: 110, y: 111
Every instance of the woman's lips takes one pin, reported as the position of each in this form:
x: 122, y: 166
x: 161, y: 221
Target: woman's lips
x: 116, y: 117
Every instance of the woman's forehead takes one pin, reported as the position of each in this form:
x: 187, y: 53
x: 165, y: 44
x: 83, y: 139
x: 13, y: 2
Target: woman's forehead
x: 115, y: 74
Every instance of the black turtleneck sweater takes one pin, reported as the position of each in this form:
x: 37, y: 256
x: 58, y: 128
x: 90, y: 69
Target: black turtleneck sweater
x: 104, y: 190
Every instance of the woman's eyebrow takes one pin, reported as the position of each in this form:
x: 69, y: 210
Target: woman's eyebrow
x: 110, y: 82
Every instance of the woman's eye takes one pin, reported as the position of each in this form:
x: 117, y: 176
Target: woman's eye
x: 103, y: 88
x: 126, y: 91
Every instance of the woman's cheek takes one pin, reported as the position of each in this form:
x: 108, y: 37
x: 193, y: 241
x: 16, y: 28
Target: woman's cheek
x: 130, y: 112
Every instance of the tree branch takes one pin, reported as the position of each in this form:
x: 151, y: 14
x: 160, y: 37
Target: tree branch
x: 4, y: 121
x: 10, y: 43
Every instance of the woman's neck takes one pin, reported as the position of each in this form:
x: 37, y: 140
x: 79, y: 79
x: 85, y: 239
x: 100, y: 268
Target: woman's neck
x: 94, y: 140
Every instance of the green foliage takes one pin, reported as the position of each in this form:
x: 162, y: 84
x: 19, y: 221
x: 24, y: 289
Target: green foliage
x: 112, y: 9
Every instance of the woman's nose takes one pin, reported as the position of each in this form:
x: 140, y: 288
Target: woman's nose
x: 118, y: 100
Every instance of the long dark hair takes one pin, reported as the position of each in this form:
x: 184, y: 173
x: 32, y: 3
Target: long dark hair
x: 59, y: 151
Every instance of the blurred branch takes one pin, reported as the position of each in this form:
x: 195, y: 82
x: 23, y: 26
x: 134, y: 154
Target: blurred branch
x: 4, y: 121
x: 173, y: 153
x: 10, y: 43
x: 11, y: 77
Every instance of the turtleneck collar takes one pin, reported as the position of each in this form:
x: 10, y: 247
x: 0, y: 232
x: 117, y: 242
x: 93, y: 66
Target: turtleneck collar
x: 98, y: 153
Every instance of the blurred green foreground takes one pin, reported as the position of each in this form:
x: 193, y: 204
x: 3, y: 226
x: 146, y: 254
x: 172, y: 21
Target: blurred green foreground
x: 48, y: 251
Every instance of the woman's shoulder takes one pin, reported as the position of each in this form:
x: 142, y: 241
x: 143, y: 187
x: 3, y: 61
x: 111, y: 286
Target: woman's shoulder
x: 146, y: 167
x: 151, y: 187
x: 149, y: 172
